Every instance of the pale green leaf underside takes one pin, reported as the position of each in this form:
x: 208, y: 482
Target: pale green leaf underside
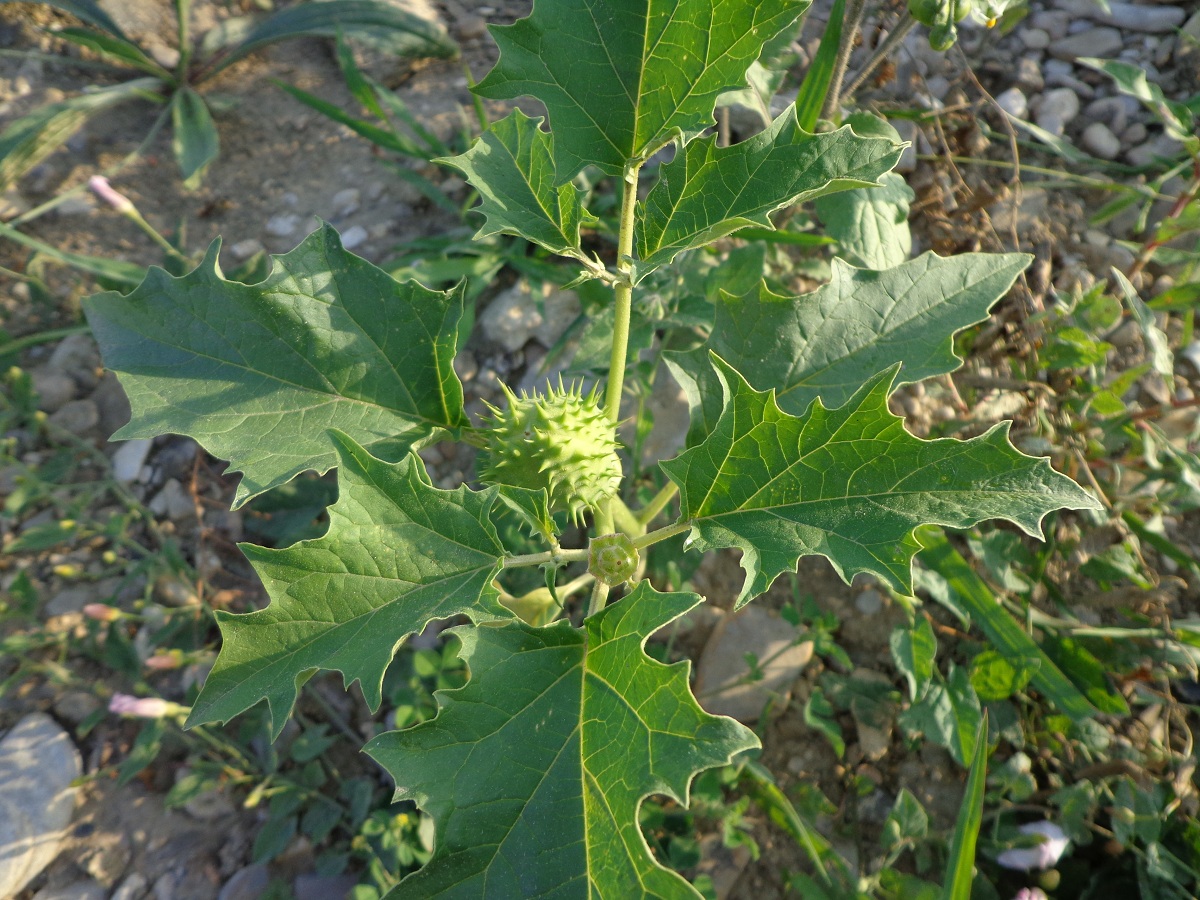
x: 512, y: 167
x: 849, y: 484
x: 707, y: 191
x: 534, y: 771
x: 621, y: 78
x: 258, y: 373
x: 398, y: 553
x: 824, y: 344
x: 871, y: 223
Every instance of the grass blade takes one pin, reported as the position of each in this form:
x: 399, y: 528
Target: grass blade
x: 114, y: 50
x: 32, y: 138
x: 395, y: 29
x: 114, y: 271
x: 90, y: 12
x: 975, y: 600
x: 815, y: 87
x: 960, y: 871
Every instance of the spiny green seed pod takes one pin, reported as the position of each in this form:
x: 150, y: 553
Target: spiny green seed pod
x: 561, y: 441
x: 612, y: 558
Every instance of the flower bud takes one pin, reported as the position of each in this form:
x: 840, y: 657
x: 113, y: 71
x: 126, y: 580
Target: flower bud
x: 102, y: 612
x: 106, y: 192
x: 144, y: 707
x: 161, y: 662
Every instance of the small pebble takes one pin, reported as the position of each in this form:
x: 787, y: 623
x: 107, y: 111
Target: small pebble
x: 1099, y: 141
x: 354, y: 236
x: 345, y: 202
x: 1035, y: 39
x: 77, y: 417
x: 1101, y: 42
x: 129, y: 458
x: 243, y: 250
x: 1013, y: 102
x: 283, y: 225
x: 1058, y: 105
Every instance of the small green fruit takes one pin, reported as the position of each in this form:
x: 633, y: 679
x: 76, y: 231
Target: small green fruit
x: 612, y: 558
x: 942, y: 37
x: 561, y: 441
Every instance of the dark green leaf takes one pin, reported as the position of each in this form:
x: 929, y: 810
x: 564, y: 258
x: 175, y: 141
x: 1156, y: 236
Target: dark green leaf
x: 511, y: 166
x: 195, y: 140
x: 258, y: 373
x: 398, y: 554
x: 534, y: 771
x: 115, y: 49
x: 849, y: 484
x: 913, y: 650
x: 621, y: 78
x: 871, y: 223
x: 863, y: 321
x: 386, y: 24
x: 90, y: 12
x: 707, y: 191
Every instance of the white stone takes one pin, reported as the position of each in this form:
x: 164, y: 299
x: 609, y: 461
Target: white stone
x: 1099, y: 141
x: 243, y: 250
x: 722, y: 686
x: 1137, y: 16
x: 1101, y: 42
x: 172, y: 501
x: 1013, y: 102
x: 1057, y: 105
x: 127, y: 462
x: 54, y: 389
x: 518, y: 315
x: 283, y: 225
x: 345, y: 202
x: 354, y: 236
x: 1035, y: 39
x: 38, y: 762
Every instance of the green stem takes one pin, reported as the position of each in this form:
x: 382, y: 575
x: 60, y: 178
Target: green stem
x: 136, y: 217
x: 661, y: 534
x: 624, y: 520
x: 623, y: 295
x: 540, y: 559
x: 855, y: 10
x: 599, y: 598
x: 42, y: 337
x: 658, y: 503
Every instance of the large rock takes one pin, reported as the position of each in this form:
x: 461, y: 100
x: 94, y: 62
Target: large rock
x: 724, y: 685
x: 38, y: 762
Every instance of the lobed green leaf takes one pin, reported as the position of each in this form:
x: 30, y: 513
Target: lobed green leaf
x: 707, y: 192
x: 871, y: 223
x: 849, y: 484
x: 398, y: 553
x: 535, y: 769
x: 863, y: 321
x: 512, y: 167
x: 622, y: 78
x: 259, y: 373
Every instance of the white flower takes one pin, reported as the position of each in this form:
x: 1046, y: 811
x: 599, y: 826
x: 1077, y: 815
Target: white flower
x: 1041, y: 856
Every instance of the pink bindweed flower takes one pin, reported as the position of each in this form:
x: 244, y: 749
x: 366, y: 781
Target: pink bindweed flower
x: 160, y: 662
x: 144, y: 707
x: 110, y: 195
x: 102, y: 612
x: 1041, y: 856
x: 1031, y: 894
